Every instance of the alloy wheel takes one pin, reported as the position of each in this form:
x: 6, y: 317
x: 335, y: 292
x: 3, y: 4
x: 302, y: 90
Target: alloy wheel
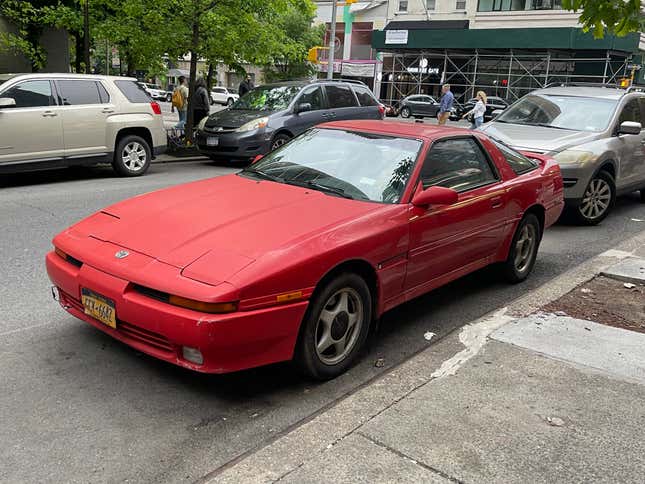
x: 524, y: 247
x: 134, y: 156
x: 596, y: 199
x: 278, y: 142
x: 339, y: 326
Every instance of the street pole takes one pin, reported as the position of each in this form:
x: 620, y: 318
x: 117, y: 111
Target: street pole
x: 108, y: 58
x: 332, y: 41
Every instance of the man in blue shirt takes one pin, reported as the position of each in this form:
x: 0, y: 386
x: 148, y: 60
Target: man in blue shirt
x: 446, y: 104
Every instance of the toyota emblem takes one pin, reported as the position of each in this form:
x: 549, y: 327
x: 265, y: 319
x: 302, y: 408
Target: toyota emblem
x: 122, y: 254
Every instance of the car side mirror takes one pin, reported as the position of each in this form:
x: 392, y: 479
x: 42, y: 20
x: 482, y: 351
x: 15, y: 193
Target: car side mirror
x: 257, y: 158
x: 496, y: 112
x: 7, y: 102
x: 630, y: 127
x: 302, y: 107
x: 435, y: 196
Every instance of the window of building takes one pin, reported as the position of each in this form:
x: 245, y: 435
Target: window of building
x: 460, y: 5
x: 431, y: 4
x: 403, y: 5
x: 340, y: 97
x: 31, y: 94
x: 515, y: 5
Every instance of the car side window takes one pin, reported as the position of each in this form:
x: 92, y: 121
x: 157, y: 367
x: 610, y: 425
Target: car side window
x: 426, y: 99
x: 365, y: 96
x: 457, y: 163
x: 103, y: 94
x: 340, y: 97
x: 518, y: 162
x: 631, y: 112
x: 31, y: 94
x: 219, y: 90
x: 641, y: 101
x: 78, y: 92
x: 312, y: 95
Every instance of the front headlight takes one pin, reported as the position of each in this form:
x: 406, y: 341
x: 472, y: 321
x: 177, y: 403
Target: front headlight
x: 569, y: 157
x: 202, y: 123
x: 254, y: 124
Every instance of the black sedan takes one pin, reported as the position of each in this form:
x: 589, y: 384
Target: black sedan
x: 493, y: 103
x: 419, y: 106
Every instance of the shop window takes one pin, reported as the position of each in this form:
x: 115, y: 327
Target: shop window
x: 460, y: 5
x: 431, y: 4
x: 403, y: 5
x: 361, y: 44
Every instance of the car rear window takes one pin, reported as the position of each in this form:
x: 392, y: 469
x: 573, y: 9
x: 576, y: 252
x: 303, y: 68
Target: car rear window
x: 518, y: 162
x: 364, y: 96
x: 340, y: 97
x: 133, y: 92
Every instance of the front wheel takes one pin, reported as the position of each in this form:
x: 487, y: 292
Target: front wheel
x: 523, y: 251
x: 230, y: 101
x: 335, y: 327
x: 132, y: 156
x: 598, y: 199
x: 405, y: 112
x: 279, y: 140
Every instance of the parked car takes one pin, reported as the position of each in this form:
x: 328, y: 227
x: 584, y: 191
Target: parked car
x: 419, y: 106
x: 156, y: 92
x: 221, y: 95
x: 57, y: 120
x: 270, y: 115
x: 596, y: 135
x: 493, y: 103
x: 297, y: 255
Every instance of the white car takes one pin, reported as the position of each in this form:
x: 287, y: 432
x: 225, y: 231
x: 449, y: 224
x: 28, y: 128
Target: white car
x: 156, y: 92
x: 221, y: 95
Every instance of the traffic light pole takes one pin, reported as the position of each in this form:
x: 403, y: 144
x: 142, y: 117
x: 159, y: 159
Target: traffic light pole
x: 332, y: 41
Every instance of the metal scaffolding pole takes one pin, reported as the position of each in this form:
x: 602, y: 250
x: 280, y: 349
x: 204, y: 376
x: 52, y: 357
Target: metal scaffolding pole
x: 508, y: 79
x: 548, y: 66
x: 604, y: 74
x: 474, y: 78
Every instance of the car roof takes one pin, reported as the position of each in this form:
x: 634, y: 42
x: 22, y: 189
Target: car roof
x: 398, y: 128
x: 65, y: 75
x: 583, y: 91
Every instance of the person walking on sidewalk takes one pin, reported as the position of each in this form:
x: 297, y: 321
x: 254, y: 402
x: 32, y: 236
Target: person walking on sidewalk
x: 447, y: 100
x: 477, y: 112
x: 245, y: 86
x: 201, y: 104
x: 180, y: 102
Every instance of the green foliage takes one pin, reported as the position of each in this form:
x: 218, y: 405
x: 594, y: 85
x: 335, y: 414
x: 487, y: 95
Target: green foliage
x: 618, y: 17
x: 26, y: 17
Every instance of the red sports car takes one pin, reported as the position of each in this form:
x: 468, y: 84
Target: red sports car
x: 295, y: 256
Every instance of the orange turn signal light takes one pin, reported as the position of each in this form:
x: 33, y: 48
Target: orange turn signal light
x: 290, y: 296
x: 203, y: 307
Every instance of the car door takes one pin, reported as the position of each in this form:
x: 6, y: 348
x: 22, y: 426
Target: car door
x: 427, y: 106
x: 219, y: 95
x: 342, y: 102
x: 318, y: 113
x: 86, y: 105
x: 32, y: 130
x: 631, y: 147
x: 414, y: 103
x: 458, y: 238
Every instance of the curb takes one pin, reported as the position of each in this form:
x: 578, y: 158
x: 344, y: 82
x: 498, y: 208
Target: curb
x: 274, y: 459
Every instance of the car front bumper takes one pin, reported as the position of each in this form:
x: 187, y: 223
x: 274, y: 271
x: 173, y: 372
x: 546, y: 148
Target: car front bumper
x: 233, y: 145
x: 575, y: 177
x: 227, y: 342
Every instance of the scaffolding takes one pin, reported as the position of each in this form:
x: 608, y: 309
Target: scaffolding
x: 509, y: 74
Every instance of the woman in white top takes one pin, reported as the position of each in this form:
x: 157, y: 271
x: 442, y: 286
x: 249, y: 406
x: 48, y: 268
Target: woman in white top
x: 478, y: 111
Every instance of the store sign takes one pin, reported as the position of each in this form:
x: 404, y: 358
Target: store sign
x: 357, y: 70
x: 634, y: 67
x: 396, y: 36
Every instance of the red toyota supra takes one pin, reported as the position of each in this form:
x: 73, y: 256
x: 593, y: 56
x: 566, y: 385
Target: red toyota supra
x: 295, y: 256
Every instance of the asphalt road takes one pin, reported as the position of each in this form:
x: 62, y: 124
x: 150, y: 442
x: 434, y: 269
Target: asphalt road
x: 77, y: 406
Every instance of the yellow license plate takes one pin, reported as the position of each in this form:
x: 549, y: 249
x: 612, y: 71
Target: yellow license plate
x: 99, y: 307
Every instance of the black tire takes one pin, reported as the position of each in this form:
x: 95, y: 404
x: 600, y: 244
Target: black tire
x: 522, y: 255
x: 279, y: 140
x: 230, y: 101
x: 315, y: 333
x: 137, y: 164
x: 406, y: 112
x: 642, y: 195
x: 585, y: 212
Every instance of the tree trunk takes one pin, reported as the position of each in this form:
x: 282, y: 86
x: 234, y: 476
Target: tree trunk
x: 78, y: 54
x: 86, y: 36
x: 131, y: 71
x: 209, y: 77
x: 194, y: 44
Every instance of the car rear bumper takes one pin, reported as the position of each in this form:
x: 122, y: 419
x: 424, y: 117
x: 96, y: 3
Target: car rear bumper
x: 234, y: 145
x: 227, y: 342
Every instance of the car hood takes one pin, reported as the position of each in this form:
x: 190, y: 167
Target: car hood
x: 537, y: 138
x: 230, y: 220
x: 233, y: 118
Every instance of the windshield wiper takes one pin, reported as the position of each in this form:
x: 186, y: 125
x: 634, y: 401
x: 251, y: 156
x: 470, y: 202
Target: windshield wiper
x: 545, y: 125
x: 318, y: 186
x: 261, y: 174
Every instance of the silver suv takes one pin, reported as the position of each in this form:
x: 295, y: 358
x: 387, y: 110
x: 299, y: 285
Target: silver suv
x: 57, y: 120
x: 595, y: 133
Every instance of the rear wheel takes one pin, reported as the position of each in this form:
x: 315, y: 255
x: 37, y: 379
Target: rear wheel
x: 598, y: 199
x: 335, y: 327
x: 523, y: 250
x: 405, y: 112
x: 132, y: 156
x: 230, y: 101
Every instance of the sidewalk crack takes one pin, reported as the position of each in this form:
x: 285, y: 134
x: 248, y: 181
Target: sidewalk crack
x: 398, y: 453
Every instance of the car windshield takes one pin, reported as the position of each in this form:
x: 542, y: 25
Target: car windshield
x: 361, y: 166
x: 267, y: 98
x: 562, y: 112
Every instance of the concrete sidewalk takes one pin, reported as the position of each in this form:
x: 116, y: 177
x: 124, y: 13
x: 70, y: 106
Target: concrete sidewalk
x: 517, y: 396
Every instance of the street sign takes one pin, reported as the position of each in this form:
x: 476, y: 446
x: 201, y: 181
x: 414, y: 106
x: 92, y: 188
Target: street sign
x: 634, y: 67
x: 396, y: 36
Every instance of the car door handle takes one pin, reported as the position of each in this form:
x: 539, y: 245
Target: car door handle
x: 496, y: 202
x: 107, y: 111
x: 49, y: 114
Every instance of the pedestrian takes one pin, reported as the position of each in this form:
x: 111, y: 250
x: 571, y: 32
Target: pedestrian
x: 477, y: 112
x: 201, y: 104
x: 180, y: 102
x: 447, y: 99
x: 245, y: 86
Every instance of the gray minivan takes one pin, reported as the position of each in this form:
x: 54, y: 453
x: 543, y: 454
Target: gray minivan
x: 270, y: 115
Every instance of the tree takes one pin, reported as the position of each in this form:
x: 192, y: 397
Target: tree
x: 618, y: 17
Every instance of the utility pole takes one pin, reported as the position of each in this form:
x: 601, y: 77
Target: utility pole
x: 332, y: 41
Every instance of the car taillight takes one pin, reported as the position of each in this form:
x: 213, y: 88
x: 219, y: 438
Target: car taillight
x: 381, y: 110
x: 155, y: 107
